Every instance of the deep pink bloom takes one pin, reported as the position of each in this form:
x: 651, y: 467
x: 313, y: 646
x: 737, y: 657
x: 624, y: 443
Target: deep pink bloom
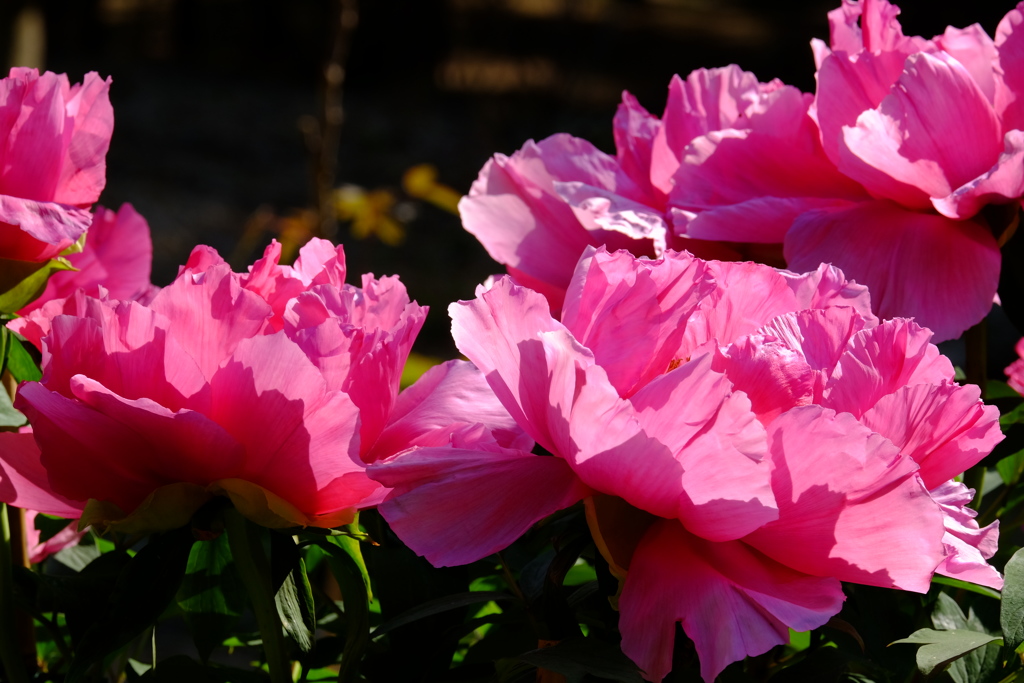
x: 274, y: 388
x: 745, y: 439
x: 55, y: 139
x: 1015, y: 371
x: 117, y: 257
x: 928, y: 131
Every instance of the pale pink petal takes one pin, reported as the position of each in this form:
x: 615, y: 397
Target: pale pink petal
x: 653, y: 299
x: 880, y: 361
x: 700, y: 461
x: 839, y: 487
x: 967, y: 545
x: 211, y: 314
x: 944, y: 427
x: 1001, y: 184
x: 446, y: 398
x: 530, y: 360
x: 1010, y: 69
x: 599, y: 210
x: 24, y: 481
x: 732, y: 601
x: 38, y: 231
x: 455, y: 506
x: 942, y: 272
x: 935, y: 131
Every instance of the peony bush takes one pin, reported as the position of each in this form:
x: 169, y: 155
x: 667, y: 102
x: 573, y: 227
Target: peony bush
x: 702, y: 431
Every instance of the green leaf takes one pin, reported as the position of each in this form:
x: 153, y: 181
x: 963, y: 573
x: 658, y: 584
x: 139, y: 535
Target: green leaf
x: 939, y: 648
x: 1011, y: 467
x: 579, y: 657
x: 437, y: 606
x: 29, y: 281
x: 9, y: 415
x: 294, y: 601
x: 964, y: 585
x: 1011, y: 613
x: 353, y: 548
x: 180, y: 668
x: 211, y: 594
x: 995, y: 388
x: 978, y: 664
x: 350, y: 576
x: 19, y: 361
x: 144, y: 588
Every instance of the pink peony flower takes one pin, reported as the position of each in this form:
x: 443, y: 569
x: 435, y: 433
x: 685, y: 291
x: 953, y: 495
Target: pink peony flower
x: 55, y: 139
x: 1015, y: 370
x: 118, y: 256
x: 744, y: 439
x: 928, y: 132
x: 273, y: 388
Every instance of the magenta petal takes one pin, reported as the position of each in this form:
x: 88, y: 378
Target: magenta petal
x: 182, y: 446
x: 934, y: 132
x: 1010, y: 69
x: 839, y: 487
x: 698, y: 461
x: 530, y: 360
x: 967, y: 546
x: 945, y: 428
x: 733, y: 601
x: 652, y: 299
x: 24, y: 481
x: 455, y: 506
x: 1002, y: 184
x: 448, y: 396
x: 973, y: 48
x: 882, y: 360
x: 308, y: 437
x: 211, y: 314
x: 38, y: 231
x: 65, y: 538
x: 635, y: 130
x: 774, y: 376
x: 942, y: 272
x: 87, y: 454
x: 84, y: 172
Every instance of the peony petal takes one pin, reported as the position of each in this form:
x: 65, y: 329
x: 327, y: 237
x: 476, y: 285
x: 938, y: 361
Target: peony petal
x: 447, y: 397
x: 635, y: 130
x: 1001, y: 184
x: 944, y: 427
x: 732, y: 601
x: 1009, y: 68
x: 38, y: 231
x: 24, y: 481
x: 967, y: 546
x: 942, y: 272
x: 698, y: 461
x: 934, y: 132
x: 211, y: 314
x: 455, y: 506
x: 839, y: 487
x: 653, y: 299
x: 530, y: 360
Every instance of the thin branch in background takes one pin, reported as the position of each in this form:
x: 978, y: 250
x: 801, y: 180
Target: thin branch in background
x: 323, y: 134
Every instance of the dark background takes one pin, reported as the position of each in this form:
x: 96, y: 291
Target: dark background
x: 210, y: 97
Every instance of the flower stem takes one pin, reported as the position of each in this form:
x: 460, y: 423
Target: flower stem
x: 254, y: 570
x: 10, y: 653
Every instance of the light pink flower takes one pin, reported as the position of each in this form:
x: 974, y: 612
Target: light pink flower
x: 745, y: 439
x: 54, y: 144
x: 929, y: 134
x: 118, y: 256
x: 274, y: 388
